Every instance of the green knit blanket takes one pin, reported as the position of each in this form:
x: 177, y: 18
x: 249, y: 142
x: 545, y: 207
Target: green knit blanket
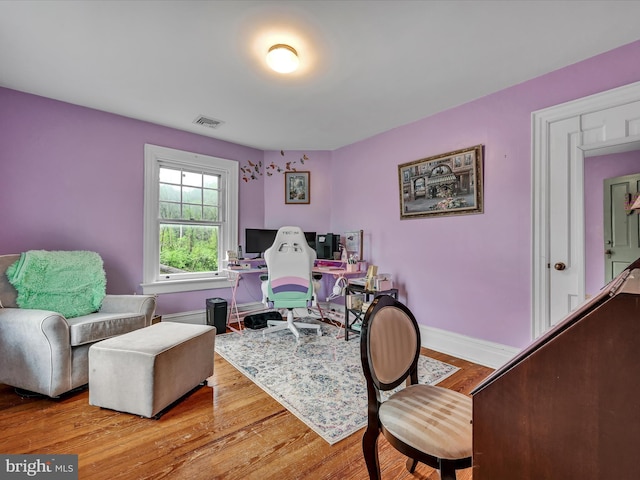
x: 72, y: 283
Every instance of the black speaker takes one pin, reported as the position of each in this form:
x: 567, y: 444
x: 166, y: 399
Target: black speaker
x: 217, y: 314
x: 326, y: 244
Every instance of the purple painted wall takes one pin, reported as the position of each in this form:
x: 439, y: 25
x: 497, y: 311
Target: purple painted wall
x: 272, y: 212
x: 596, y: 170
x: 72, y: 177
x: 83, y: 188
x: 312, y: 217
x: 466, y: 274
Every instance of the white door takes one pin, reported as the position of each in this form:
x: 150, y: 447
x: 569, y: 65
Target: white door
x: 564, y: 256
x: 562, y: 137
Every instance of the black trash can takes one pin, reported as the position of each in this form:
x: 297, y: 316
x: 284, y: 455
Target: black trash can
x: 217, y: 314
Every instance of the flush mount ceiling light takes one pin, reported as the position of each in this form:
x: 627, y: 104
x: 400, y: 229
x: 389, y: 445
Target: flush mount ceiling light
x: 283, y: 58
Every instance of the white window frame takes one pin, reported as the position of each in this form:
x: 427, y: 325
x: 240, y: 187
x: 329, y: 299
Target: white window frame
x: 154, y: 157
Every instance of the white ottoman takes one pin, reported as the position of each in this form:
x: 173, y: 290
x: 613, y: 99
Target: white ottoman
x: 144, y: 371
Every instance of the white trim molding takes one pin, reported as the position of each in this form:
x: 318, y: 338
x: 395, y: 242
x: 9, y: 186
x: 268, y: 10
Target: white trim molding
x: 154, y: 158
x: 474, y: 350
x: 198, y: 317
x: 594, y: 139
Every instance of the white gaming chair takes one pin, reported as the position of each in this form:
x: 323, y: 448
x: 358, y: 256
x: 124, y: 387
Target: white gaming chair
x: 290, y: 282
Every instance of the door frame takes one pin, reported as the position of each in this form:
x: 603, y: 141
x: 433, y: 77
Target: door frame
x: 542, y: 160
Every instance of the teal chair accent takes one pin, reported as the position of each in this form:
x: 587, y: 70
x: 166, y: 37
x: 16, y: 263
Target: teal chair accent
x: 290, y: 281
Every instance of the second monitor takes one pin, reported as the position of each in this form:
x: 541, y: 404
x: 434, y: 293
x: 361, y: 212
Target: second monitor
x: 257, y: 240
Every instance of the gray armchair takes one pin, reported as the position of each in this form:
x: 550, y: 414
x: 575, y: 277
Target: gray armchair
x: 41, y: 351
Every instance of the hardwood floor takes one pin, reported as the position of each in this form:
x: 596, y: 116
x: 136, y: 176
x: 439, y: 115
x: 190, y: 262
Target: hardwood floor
x: 231, y: 431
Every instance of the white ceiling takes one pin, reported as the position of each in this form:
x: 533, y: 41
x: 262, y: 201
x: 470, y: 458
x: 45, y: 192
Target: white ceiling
x: 366, y: 66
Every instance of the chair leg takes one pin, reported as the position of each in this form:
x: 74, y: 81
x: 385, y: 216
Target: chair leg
x: 290, y: 324
x: 370, y: 451
x: 447, y: 470
x: 411, y: 464
x: 274, y: 326
x: 294, y: 330
x: 312, y: 326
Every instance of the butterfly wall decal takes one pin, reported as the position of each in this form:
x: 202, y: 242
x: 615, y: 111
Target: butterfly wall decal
x: 253, y: 171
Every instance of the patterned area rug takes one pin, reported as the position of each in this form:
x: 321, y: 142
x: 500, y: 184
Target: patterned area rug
x: 318, y: 379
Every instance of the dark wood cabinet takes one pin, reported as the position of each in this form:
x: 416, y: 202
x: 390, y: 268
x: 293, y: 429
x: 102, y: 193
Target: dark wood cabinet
x: 568, y: 406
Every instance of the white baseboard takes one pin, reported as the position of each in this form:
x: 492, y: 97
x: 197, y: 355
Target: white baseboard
x: 198, y: 317
x: 475, y: 350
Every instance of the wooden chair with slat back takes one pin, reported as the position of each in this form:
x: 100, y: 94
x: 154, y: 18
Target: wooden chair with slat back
x: 426, y: 423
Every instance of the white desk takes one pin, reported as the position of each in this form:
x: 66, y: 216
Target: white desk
x: 235, y: 274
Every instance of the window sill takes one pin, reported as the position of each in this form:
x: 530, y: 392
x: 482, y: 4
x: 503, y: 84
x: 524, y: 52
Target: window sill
x: 176, y: 286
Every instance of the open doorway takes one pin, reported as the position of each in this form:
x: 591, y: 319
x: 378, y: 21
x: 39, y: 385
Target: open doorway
x: 597, y: 170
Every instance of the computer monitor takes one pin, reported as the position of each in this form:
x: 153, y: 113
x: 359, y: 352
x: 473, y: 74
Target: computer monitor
x: 257, y: 240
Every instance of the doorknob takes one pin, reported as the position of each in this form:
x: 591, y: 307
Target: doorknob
x: 559, y: 266
x: 608, y: 252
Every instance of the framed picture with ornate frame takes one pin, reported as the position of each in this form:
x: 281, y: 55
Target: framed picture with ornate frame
x: 446, y: 184
x: 297, y: 187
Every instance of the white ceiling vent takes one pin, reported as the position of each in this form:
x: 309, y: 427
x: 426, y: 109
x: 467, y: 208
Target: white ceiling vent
x: 207, y: 121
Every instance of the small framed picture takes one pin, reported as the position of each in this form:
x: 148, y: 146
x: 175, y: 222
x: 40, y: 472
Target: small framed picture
x: 297, y: 187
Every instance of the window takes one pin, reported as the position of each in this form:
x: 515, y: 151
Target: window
x: 191, y: 219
